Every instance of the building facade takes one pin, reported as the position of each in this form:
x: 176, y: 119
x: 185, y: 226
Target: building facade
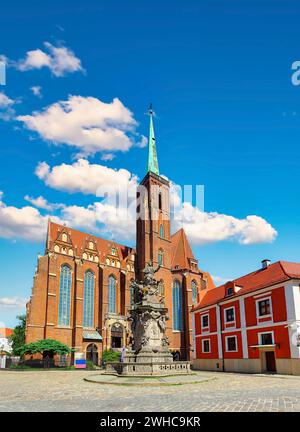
x: 251, y: 324
x: 5, y: 344
x: 81, y: 291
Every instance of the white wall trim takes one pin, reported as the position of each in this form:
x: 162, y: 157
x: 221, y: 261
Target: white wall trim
x: 292, y: 301
x: 260, y: 326
x: 236, y: 343
x: 220, y: 348
x: 243, y: 327
x: 202, y: 346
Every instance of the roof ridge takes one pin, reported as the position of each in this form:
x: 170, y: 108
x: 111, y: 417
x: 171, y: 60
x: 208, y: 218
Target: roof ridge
x: 90, y: 235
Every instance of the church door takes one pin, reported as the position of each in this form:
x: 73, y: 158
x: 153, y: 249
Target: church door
x: 92, y: 353
x: 116, y: 335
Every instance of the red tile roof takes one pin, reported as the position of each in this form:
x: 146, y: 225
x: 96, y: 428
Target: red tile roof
x: 278, y: 272
x: 180, y: 250
x: 5, y: 332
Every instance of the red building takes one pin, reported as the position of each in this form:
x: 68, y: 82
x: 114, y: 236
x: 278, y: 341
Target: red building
x: 251, y: 324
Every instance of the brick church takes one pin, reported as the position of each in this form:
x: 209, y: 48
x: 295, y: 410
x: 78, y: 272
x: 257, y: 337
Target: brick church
x: 81, y: 291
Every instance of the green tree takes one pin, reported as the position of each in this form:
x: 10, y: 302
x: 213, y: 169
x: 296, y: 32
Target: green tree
x: 46, y: 345
x: 17, y: 338
x: 111, y: 356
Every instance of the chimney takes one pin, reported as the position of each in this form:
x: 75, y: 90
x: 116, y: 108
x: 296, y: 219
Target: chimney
x: 265, y: 263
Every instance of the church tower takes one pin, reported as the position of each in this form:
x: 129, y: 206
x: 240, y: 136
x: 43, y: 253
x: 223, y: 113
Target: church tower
x: 153, y: 216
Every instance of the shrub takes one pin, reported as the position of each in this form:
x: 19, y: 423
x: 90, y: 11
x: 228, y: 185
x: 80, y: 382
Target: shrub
x: 90, y: 364
x: 111, y: 356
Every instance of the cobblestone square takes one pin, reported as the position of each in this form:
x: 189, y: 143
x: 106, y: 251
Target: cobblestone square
x: 67, y: 391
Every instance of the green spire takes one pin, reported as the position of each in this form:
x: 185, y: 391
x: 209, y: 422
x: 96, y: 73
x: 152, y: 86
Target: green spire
x: 152, y: 155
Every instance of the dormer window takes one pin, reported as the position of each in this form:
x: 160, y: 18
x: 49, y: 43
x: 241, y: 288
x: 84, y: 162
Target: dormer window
x: 113, y: 251
x: 230, y: 291
x: 91, y: 245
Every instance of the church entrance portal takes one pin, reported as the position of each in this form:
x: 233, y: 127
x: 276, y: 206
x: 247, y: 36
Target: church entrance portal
x: 116, y: 335
x: 92, y: 353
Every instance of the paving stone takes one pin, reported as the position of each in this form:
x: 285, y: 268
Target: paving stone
x: 67, y: 391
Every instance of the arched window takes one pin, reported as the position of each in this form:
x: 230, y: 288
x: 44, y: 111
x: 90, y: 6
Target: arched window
x: 194, y: 292
x: 177, y: 305
x: 161, y: 231
x: 160, y: 257
x: 159, y: 201
x: 88, y: 299
x: 64, y: 296
x: 112, y: 294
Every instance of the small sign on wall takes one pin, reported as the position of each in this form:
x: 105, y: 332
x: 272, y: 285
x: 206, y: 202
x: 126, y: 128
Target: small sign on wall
x: 79, y: 361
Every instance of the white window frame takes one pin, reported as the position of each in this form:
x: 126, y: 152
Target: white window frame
x: 202, y: 342
x: 257, y: 307
x: 236, y: 343
x: 266, y: 332
x: 225, y: 319
x: 207, y: 327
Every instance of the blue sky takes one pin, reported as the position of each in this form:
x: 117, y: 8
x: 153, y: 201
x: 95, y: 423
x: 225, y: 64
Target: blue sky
x: 227, y: 116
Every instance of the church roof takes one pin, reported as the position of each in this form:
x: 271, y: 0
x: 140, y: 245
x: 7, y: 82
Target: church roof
x: 181, y: 250
x: 278, y: 272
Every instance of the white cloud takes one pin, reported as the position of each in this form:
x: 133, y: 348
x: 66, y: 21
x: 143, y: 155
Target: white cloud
x: 5, y: 101
x: 37, y: 91
x: 60, y: 60
x: 103, y: 219
x: 107, y: 156
x: 41, y: 202
x: 202, y: 227
x: 13, y: 302
x: 22, y: 223
x: 87, y: 178
x: 218, y: 280
x: 6, y: 110
x: 85, y: 123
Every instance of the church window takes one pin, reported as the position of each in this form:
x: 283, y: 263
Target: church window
x: 91, y: 245
x: 160, y: 201
x: 194, y: 292
x: 177, y: 305
x: 160, y: 257
x: 84, y: 255
x: 56, y: 248
x: 88, y: 301
x: 64, y: 237
x: 113, y: 251
x: 161, y: 231
x: 64, y: 296
x: 112, y: 294
x: 70, y: 252
x: 107, y: 261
